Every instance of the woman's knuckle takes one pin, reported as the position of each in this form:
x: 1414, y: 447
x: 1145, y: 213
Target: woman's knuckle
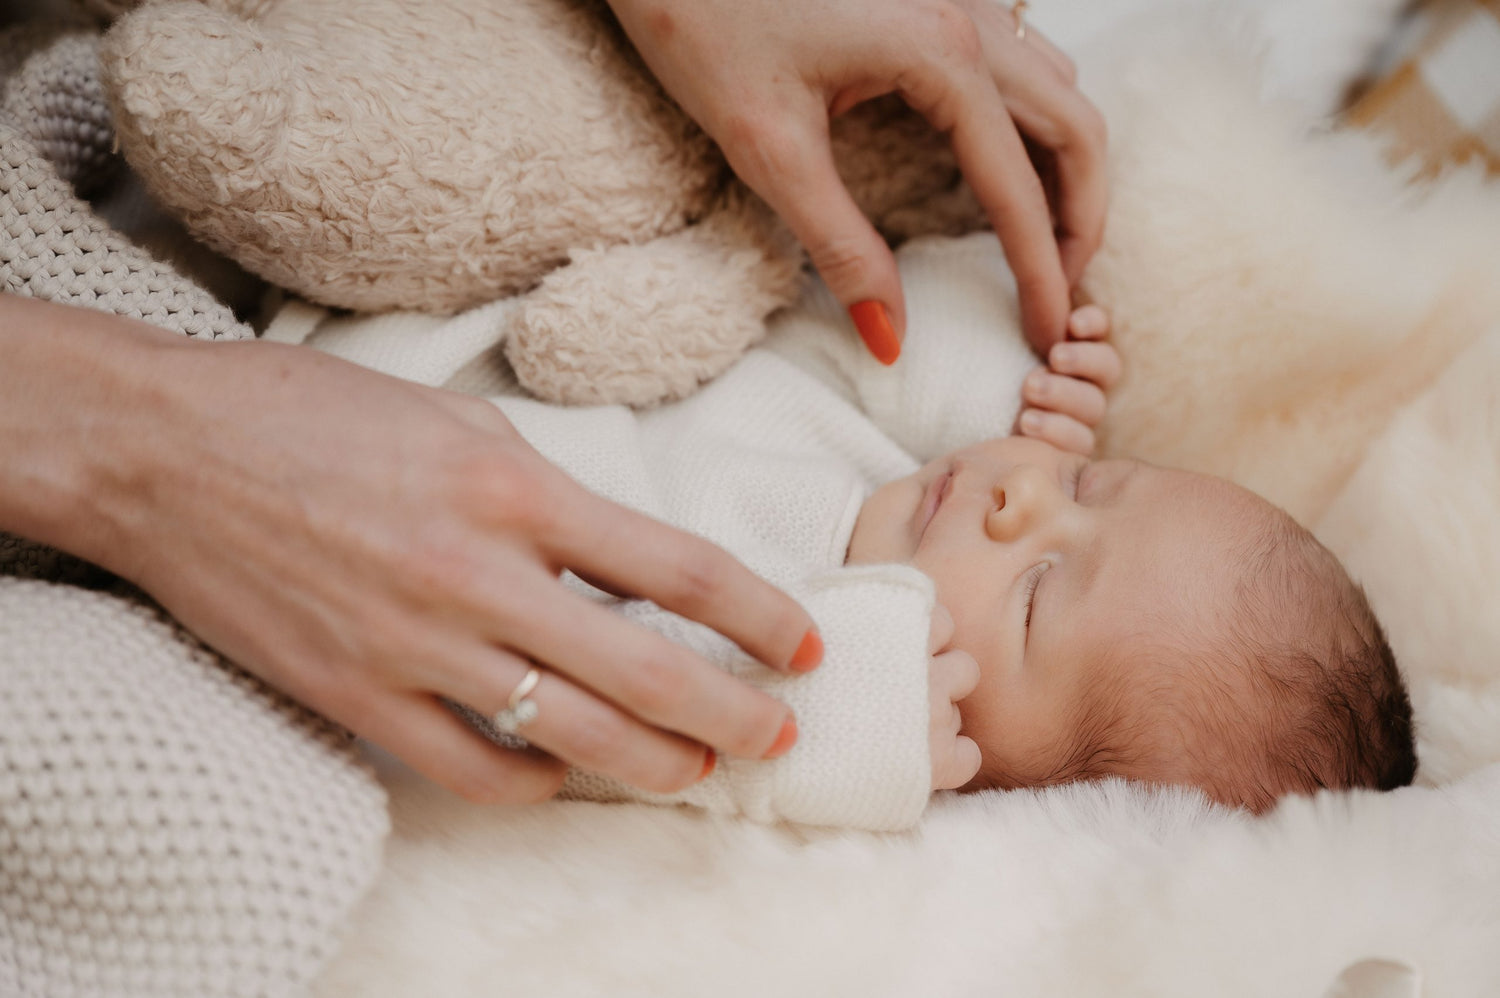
x: 599, y: 741
x: 954, y: 33
x: 842, y: 262
x: 492, y: 486
x: 701, y: 579
x: 441, y: 571
x: 655, y: 687
x: 762, y: 146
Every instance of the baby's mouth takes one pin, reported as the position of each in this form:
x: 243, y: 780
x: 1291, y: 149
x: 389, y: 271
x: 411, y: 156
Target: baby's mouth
x: 932, y: 499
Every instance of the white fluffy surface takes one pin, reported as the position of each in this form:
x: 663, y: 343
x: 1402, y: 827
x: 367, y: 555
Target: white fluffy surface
x: 1290, y: 318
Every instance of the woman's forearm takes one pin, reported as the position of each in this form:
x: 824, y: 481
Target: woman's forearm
x: 70, y: 381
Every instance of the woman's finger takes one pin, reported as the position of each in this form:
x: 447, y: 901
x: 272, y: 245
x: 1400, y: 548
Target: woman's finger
x: 965, y: 103
x: 655, y: 679
x: 1052, y: 112
x: 430, y: 738
x: 1067, y: 396
x: 784, y: 155
x: 1062, y: 432
x: 1064, y: 67
x: 998, y: 21
x: 632, y: 554
x: 1095, y: 362
x: 576, y: 726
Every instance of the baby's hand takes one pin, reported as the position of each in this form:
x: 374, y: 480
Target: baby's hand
x: 951, y: 676
x: 1064, y: 400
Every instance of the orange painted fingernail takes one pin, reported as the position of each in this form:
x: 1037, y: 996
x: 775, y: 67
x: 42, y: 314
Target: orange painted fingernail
x: 874, y: 325
x: 784, y: 741
x: 809, y: 653
x: 710, y: 760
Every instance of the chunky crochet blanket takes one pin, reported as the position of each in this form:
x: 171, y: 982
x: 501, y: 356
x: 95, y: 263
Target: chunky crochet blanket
x: 168, y: 824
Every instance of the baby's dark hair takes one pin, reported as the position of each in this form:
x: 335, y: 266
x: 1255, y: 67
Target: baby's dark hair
x: 1296, y: 691
x: 1320, y: 668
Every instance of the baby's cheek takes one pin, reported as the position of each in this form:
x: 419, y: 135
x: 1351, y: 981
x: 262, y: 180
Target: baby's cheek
x: 878, y: 532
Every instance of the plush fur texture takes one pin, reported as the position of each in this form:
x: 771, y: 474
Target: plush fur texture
x: 432, y: 155
x: 1291, y: 316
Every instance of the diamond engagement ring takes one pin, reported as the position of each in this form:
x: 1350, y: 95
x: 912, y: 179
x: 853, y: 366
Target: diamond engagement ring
x: 1018, y: 11
x: 520, y: 709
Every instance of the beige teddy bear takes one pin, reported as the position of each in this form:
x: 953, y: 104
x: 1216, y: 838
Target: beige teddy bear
x: 436, y: 154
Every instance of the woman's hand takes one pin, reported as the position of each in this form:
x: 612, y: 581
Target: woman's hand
x: 764, y: 76
x: 370, y: 546
x: 951, y: 676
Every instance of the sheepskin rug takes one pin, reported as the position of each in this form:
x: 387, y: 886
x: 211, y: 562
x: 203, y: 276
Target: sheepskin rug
x: 1295, y: 317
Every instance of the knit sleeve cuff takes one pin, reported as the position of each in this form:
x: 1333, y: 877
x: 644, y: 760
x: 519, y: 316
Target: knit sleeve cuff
x: 861, y: 757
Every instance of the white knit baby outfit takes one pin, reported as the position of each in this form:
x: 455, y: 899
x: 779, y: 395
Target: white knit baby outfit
x: 773, y: 461
x: 169, y: 826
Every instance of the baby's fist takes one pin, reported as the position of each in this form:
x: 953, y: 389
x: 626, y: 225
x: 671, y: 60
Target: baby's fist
x: 951, y: 676
x: 1063, y: 401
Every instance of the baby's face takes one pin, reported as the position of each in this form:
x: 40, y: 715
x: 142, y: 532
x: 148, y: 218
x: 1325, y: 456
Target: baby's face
x: 1056, y: 568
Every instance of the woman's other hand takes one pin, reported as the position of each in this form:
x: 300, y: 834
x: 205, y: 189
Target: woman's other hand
x: 372, y: 547
x: 763, y: 77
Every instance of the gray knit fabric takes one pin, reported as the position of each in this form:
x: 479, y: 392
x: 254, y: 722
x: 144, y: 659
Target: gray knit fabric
x: 50, y: 87
x: 53, y: 246
x: 169, y: 826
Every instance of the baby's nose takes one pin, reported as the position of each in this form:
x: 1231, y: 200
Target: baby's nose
x: 1025, y: 485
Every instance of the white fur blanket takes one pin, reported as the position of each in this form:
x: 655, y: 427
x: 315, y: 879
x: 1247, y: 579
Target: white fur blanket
x: 1293, y: 317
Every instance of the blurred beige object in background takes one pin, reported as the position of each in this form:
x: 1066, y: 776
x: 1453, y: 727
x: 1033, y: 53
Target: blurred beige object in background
x: 1440, y: 101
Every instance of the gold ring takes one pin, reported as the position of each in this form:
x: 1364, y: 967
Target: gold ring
x: 1018, y: 11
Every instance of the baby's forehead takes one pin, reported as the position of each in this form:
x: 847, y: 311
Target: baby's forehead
x: 1182, y: 539
x: 1170, y: 586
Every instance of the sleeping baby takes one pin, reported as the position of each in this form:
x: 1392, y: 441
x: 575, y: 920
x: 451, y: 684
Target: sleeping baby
x: 998, y: 611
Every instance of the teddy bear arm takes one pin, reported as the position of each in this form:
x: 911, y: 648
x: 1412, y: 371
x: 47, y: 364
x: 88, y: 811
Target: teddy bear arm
x: 646, y: 323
